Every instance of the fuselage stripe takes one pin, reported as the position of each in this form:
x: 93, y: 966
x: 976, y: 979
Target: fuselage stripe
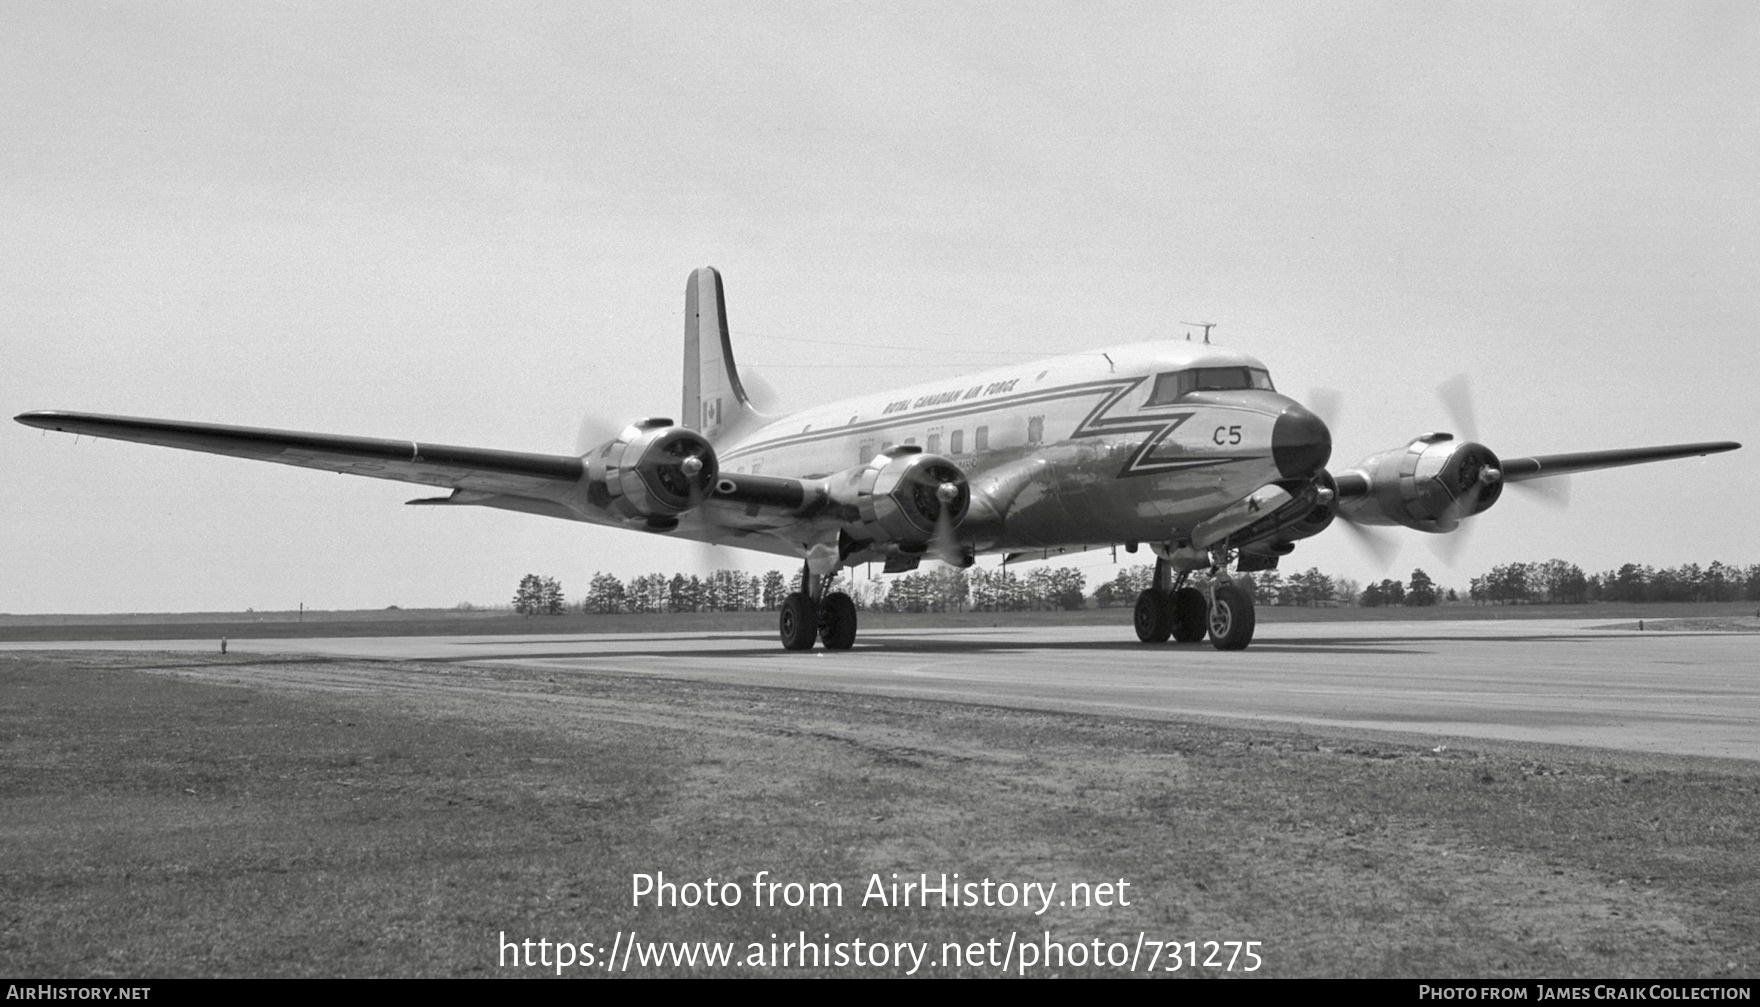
x: 1118, y: 386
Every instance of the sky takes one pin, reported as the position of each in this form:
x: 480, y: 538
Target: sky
x: 472, y: 224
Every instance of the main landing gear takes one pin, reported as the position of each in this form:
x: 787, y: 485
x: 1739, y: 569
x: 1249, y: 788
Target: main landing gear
x: 814, y: 614
x: 1180, y: 611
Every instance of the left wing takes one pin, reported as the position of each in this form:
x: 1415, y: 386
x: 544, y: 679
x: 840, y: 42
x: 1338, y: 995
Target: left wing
x: 1540, y: 466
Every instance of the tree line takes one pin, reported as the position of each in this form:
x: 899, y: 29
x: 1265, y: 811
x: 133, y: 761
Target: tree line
x: 1045, y: 588
x: 1558, y: 582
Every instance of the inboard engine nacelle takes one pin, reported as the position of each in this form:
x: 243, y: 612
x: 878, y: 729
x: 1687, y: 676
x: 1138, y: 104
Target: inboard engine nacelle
x: 653, y: 471
x: 903, y: 496
x: 1430, y: 484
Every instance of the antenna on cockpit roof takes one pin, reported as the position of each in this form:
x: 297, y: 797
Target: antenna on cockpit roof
x: 1207, y: 327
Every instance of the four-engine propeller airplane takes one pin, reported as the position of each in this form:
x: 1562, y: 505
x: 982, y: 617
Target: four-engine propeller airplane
x: 1186, y: 448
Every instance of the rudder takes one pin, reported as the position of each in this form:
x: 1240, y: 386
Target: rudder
x: 715, y: 401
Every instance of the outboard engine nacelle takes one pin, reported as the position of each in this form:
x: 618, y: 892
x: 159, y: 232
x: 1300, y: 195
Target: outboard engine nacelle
x: 653, y: 472
x: 903, y: 496
x: 1430, y: 484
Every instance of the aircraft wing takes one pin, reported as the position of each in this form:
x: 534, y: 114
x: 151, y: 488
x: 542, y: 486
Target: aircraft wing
x: 1517, y: 470
x: 511, y: 479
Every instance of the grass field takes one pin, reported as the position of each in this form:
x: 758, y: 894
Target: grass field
x: 450, y: 622
x: 175, y: 815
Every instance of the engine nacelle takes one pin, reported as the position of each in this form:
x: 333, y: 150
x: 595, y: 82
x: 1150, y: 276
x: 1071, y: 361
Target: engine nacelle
x: 652, y: 472
x: 1430, y: 484
x: 902, y: 496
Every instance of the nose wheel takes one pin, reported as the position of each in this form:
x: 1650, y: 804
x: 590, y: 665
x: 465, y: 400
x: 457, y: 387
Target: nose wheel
x: 1231, y: 618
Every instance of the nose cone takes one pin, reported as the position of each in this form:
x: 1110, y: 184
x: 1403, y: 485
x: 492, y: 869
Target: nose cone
x: 1300, y: 443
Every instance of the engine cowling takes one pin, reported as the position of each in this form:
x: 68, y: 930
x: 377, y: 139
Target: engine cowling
x: 653, y: 471
x: 1430, y: 484
x: 903, y: 496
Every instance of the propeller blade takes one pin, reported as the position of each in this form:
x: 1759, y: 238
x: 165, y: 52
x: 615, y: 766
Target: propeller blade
x: 943, y: 545
x: 1381, y: 548
x: 1484, y: 478
x: 1457, y: 397
x: 1448, y: 545
x: 1326, y: 403
x: 1554, y: 492
x: 594, y: 431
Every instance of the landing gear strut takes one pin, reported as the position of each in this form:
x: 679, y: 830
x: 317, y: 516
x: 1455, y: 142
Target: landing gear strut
x: 813, y: 613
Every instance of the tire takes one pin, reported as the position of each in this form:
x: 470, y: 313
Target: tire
x: 837, y: 622
x: 1154, y: 617
x: 1231, y: 618
x: 1191, y: 615
x: 799, y: 622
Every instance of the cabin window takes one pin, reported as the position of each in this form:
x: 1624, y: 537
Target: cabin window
x: 956, y: 442
x: 934, y: 445
x: 1035, y: 429
x: 865, y: 453
x: 981, y: 439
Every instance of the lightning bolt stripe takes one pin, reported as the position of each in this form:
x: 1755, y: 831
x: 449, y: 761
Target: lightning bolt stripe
x: 1159, y: 425
x: 1113, y: 390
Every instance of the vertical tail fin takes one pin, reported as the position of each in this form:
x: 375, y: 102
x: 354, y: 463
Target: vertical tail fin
x: 715, y: 402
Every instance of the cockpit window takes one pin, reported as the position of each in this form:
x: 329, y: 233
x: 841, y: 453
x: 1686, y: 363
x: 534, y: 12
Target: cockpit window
x: 1174, y: 385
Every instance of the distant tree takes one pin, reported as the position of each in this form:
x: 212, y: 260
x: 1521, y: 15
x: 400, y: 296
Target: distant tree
x: 1347, y: 591
x: 1270, y: 588
x: 1310, y: 588
x: 1067, y: 584
x: 1422, y: 590
x: 775, y: 589
x: 1719, y: 583
x: 529, y: 598
x: 605, y: 594
x: 1507, y: 584
x: 1393, y: 592
x: 1105, y: 596
x: 550, y: 600
x: 1371, y: 597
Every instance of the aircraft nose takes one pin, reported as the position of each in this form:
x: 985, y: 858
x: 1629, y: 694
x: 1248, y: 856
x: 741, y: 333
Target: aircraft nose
x: 1300, y: 443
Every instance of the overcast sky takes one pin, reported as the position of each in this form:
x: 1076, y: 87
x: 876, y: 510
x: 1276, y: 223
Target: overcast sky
x: 473, y: 224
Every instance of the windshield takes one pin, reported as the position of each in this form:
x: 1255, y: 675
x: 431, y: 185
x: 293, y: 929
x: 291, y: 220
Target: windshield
x: 1173, y: 385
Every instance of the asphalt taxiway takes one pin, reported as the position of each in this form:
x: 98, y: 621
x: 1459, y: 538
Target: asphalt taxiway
x: 1547, y: 681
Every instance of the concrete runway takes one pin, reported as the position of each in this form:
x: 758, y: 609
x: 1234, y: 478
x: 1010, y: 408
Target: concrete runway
x: 1548, y: 681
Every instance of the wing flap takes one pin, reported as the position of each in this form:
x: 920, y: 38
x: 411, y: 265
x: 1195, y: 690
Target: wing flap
x: 482, y: 470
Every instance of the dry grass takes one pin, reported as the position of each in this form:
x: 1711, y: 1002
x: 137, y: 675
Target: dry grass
x: 447, y: 622
x: 168, y: 815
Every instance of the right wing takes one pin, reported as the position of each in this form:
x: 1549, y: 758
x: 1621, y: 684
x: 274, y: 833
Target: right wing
x: 511, y: 479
